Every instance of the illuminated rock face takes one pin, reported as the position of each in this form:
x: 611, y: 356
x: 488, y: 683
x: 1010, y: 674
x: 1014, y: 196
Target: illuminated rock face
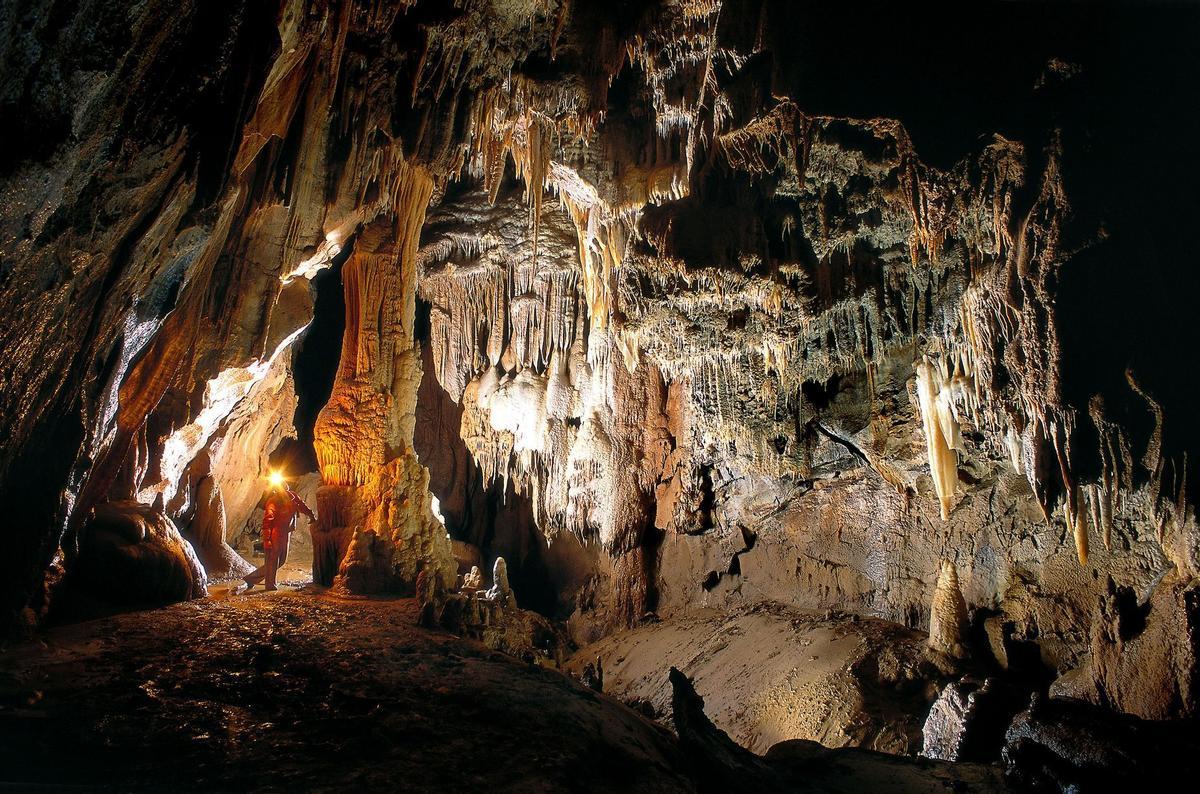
x: 1143, y: 656
x: 728, y: 343
x: 948, y: 614
x: 376, y: 495
x: 820, y: 432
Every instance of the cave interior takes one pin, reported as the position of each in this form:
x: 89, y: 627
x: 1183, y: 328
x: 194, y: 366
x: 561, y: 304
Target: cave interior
x: 690, y: 395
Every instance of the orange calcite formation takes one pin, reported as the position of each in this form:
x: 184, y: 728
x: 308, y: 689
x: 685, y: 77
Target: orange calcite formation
x: 363, y: 436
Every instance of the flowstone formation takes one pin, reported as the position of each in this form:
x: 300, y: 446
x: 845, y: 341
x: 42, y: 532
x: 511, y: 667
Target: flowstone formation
x: 376, y: 516
x: 168, y: 193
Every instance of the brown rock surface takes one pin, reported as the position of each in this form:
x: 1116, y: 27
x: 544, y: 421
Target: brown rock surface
x: 769, y: 674
x: 129, y: 553
x: 245, y: 694
x: 291, y: 690
x: 1144, y: 657
x: 802, y: 765
x: 727, y: 304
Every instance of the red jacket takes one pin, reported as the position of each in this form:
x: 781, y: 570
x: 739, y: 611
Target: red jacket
x: 279, y: 517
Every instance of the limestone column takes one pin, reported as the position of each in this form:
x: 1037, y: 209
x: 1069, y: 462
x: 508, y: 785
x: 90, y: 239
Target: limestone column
x: 376, y: 528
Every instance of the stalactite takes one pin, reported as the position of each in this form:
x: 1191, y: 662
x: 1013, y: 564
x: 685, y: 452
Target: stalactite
x: 759, y: 146
x: 726, y: 249
x: 602, y: 244
x: 941, y: 432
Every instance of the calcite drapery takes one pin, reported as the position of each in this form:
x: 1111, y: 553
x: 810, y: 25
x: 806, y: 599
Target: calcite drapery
x: 942, y: 437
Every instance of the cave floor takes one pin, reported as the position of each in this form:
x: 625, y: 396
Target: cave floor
x: 769, y: 673
x: 300, y: 690
x: 291, y: 575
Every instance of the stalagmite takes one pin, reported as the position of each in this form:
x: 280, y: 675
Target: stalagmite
x: 500, y: 591
x: 948, y: 614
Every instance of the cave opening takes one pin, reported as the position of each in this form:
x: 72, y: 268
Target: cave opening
x: 313, y: 368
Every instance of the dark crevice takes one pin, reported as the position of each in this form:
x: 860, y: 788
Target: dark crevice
x: 315, y: 362
x: 842, y: 439
x: 713, y: 578
x: 708, y: 498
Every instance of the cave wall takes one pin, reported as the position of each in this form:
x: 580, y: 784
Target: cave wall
x: 116, y: 213
x: 814, y: 367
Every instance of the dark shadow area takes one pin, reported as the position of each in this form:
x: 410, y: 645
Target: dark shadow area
x: 1126, y: 300
x: 1125, y: 101
x: 315, y: 364
x: 955, y: 72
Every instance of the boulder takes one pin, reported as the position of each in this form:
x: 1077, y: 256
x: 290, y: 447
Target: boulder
x: 968, y: 721
x: 133, y: 553
x: 1065, y: 745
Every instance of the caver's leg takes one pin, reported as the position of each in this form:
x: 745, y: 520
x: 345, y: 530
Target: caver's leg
x: 257, y: 575
x: 271, y: 566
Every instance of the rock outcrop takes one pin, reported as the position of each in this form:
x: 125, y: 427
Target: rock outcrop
x: 1063, y: 745
x: 133, y: 554
x: 1144, y: 656
x: 721, y: 764
x: 969, y: 719
x: 492, y: 617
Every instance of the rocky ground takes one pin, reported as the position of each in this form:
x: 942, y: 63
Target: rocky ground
x: 297, y: 689
x: 289, y: 690
x: 769, y: 673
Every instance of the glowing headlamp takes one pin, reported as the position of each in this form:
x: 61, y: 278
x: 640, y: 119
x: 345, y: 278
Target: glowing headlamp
x: 276, y: 479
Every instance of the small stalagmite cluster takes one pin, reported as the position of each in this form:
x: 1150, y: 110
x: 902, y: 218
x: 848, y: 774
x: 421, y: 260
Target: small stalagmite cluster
x: 647, y: 305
